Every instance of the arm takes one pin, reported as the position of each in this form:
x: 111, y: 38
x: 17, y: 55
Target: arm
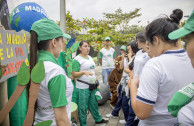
x: 130, y: 78
x: 114, y: 55
x: 100, y: 58
x: 122, y: 62
x: 141, y: 110
x: 100, y: 61
x: 143, y: 97
x: 76, y: 74
x: 57, y: 91
x: 126, y: 69
x: 61, y: 116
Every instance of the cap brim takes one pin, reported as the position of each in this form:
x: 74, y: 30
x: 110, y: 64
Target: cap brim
x: 178, y: 33
x: 66, y: 36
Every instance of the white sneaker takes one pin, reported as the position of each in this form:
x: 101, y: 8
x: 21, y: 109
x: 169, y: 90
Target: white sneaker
x: 122, y: 121
x: 111, y: 116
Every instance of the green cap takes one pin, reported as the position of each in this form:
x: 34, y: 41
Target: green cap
x: 107, y: 38
x: 123, y: 47
x: 187, y: 29
x: 47, y: 29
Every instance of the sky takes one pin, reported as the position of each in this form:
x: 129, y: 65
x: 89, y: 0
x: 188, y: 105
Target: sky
x: 79, y: 9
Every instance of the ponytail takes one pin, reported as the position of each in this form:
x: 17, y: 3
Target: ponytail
x: 33, y: 49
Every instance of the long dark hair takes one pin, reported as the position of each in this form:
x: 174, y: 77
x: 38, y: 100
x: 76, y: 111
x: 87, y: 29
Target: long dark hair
x: 163, y: 26
x: 80, y: 44
x: 135, y: 49
x: 34, y: 47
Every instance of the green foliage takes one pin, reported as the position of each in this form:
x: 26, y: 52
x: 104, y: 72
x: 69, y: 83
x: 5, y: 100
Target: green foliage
x: 38, y: 72
x: 121, y: 19
x: 116, y: 25
x: 133, y: 29
x: 23, y: 76
x: 72, y: 26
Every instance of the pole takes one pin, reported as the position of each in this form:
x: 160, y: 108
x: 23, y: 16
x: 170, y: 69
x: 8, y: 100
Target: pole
x: 63, y: 15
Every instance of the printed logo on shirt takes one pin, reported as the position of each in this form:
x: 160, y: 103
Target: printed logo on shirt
x: 92, y: 67
x: 144, y: 56
x: 92, y: 80
x: 108, y: 64
x: 109, y: 55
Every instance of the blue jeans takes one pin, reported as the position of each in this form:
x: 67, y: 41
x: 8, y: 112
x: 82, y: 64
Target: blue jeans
x: 105, y: 74
x: 122, y: 102
x: 131, y: 117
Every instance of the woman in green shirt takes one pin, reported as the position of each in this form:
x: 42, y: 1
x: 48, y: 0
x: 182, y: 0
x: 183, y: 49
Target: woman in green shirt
x: 83, y: 70
x: 53, y: 101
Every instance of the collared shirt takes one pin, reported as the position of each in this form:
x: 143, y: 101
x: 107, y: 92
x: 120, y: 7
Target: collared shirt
x: 161, y: 77
x: 52, y: 93
x: 107, y: 57
x: 82, y: 64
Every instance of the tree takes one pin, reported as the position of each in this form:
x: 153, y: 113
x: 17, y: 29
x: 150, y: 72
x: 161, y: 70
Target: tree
x: 116, y: 25
x: 133, y: 29
x: 121, y: 20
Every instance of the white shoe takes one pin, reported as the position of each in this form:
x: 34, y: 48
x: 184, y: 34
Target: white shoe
x: 122, y: 121
x: 111, y: 116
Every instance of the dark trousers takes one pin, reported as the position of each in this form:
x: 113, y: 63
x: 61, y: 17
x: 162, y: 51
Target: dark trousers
x: 131, y: 117
x: 121, y: 103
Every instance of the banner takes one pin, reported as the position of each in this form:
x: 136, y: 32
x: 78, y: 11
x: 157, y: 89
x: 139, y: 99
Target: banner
x: 12, y: 52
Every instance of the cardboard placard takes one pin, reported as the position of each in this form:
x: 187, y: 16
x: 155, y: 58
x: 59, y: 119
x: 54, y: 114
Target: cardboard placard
x: 12, y: 52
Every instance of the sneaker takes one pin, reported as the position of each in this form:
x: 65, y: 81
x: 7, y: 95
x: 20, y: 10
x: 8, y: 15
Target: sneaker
x: 112, y: 106
x: 73, y: 124
x: 122, y: 121
x: 111, y: 116
x: 102, y: 121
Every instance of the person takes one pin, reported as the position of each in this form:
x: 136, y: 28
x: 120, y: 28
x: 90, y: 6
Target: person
x: 186, y: 113
x: 132, y: 49
x: 83, y: 71
x: 106, y: 59
x: 162, y: 75
x: 141, y: 56
x: 122, y: 101
x: 55, y: 92
x: 140, y: 60
x: 113, y: 81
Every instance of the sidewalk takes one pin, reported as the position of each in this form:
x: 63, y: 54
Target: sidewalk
x: 104, y: 109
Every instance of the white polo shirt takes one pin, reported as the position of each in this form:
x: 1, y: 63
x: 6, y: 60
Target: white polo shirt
x: 84, y: 64
x: 141, y: 58
x: 161, y: 77
x: 186, y: 115
x: 107, y: 57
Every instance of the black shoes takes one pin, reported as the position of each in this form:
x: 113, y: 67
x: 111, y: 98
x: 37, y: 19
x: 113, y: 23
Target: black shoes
x: 102, y: 121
